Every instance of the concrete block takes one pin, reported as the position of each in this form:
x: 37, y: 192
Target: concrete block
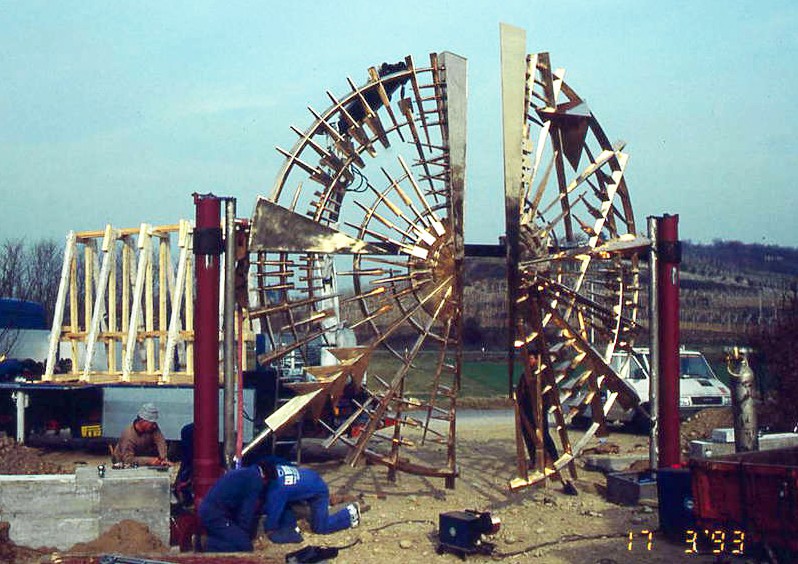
x: 50, y: 494
x: 61, y: 533
x: 122, y: 490
x: 709, y: 449
x: 61, y: 510
x: 16, y: 490
x: 629, y: 488
x: 131, y: 495
x: 612, y: 462
x: 141, y: 494
x: 778, y: 440
x: 723, y: 435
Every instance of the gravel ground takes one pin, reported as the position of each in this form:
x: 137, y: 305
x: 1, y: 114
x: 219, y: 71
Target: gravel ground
x: 540, y: 524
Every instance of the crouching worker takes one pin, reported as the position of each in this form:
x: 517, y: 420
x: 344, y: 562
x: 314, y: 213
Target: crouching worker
x: 230, y: 511
x: 291, y: 485
x: 142, y: 442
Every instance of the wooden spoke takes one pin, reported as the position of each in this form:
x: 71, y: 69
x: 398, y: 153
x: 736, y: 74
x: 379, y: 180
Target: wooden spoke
x: 573, y: 282
x: 400, y: 217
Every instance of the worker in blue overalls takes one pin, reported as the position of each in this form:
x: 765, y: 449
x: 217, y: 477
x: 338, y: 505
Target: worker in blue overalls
x: 230, y: 511
x: 290, y: 485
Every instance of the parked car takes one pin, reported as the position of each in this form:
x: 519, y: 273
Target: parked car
x: 699, y: 387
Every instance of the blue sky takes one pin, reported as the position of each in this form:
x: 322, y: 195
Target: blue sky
x: 118, y: 112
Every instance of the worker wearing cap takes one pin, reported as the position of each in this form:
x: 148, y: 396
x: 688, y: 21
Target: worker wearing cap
x: 142, y: 442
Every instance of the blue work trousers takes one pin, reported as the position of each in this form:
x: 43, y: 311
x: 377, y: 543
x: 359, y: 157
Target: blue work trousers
x: 224, y: 535
x: 321, y: 522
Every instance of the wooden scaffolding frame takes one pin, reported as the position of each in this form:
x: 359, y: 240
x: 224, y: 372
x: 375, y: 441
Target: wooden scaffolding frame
x: 115, y: 306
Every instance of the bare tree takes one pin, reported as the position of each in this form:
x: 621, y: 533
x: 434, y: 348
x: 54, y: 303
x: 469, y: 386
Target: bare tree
x: 12, y: 272
x: 43, y: 273
x: 8, y: 338
x: 31, y: 272
x: 777, y: 351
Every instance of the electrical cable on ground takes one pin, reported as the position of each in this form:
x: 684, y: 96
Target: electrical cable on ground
x: 374, y: 530
x: 350, y: 545
x: 563, y: 539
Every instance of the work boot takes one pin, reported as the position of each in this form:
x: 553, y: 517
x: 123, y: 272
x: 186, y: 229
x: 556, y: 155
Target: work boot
x: 568, y: 488
x: 354, y: 514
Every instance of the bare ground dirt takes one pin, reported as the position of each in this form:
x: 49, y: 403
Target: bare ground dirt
x: 540, y: 524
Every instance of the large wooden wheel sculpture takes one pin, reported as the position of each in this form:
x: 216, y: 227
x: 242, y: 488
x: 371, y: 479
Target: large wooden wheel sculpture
x: 379, y: 176
x: 572, y: 272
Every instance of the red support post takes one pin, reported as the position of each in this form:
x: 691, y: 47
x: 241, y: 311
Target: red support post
x: 669, y: 257
x: 207, y: 249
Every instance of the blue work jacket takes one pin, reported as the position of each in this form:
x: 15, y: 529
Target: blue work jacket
x: 291, y: 484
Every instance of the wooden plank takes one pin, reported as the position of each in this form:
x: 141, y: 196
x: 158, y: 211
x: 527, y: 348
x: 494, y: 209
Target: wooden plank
x: 102, y: 286
x: 89, y: 251
x: 144, y: 244
x: 163, y: 297
x: 73, y: 308
x: 289, y: 411
x: 177, y: 306
x: 127, y: 257
x: 60, y: 304
x: 127, y: 231
x: 149, y: 308
x: 112, y: 313
x: 181, y: 378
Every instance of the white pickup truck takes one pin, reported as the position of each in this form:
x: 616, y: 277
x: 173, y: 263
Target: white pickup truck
x: 699, y: 388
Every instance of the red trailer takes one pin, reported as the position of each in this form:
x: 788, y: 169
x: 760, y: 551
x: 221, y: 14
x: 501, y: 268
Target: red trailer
x: 747, y: 498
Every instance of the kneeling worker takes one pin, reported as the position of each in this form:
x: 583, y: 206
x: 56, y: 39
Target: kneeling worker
x: 230, y: 511
x: 290, y: 484
x: 142, y: 442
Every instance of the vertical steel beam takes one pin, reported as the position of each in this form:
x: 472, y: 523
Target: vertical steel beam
x: 229, y: 330
x: 513, y: 78
x: 653, y: 327
x: 669, y: 251
x: 456, y: 70
x: 207, y: 248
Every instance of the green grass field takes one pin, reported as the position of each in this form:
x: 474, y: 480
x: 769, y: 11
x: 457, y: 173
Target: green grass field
x: 480, y: 378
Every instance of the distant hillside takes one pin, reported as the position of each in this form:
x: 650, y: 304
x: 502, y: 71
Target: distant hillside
x: 727, y: 289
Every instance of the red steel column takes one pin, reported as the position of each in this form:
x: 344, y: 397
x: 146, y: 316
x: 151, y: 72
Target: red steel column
x: 669, y: 257
x: 207, y: 249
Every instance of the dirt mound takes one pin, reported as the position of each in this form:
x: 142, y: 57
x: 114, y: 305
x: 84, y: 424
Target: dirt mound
x: 700, y: 425
x: 128, y: 537
x: 19, y: 459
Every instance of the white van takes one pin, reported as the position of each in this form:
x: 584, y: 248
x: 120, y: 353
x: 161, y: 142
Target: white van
x: 699, y: 388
